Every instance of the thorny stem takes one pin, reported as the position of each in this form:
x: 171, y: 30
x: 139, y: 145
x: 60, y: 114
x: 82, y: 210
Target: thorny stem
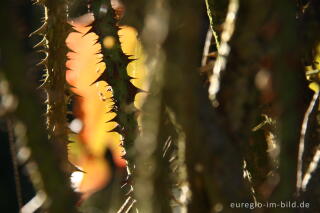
x: 55, y: 30
x: 31, y: 128
x: 106, y: 25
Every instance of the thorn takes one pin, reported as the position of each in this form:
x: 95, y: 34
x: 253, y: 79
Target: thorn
x: 72, y: 168
x: 69, y: 141
x: 114, y: 110
x: 43, y: 61
x: 45, y: 51
x: 102, y: 77
x: 115, y: 119
x: 43, y: 85
x: 43, y: 42
x: 116, y: 129
x: 40, y: 31
x: 76, y: 95
x: 69, y: 86
x: 89, y: 31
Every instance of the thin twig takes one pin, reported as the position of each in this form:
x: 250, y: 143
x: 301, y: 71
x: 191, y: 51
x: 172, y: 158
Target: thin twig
x: 301, y: 183
x: 206, y: 48
x: 166, y: 146
x: 224, y: 49
x: 311, y: 168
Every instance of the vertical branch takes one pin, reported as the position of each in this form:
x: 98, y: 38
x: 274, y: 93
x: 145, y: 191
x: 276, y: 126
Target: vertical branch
x: 301, y: 179
x: 309, y: 29
x: 153, y: 185
x: 106, y: 27
x: 55, y: 183
x: 240, y: 84
x: 310, y: 170
x: 223, y: 52
x: 309, y: 157
x: 182, y: 189
x: 152, y: 177
x: 208, y: 148
x: 288, y: 75
x: 55, y: 30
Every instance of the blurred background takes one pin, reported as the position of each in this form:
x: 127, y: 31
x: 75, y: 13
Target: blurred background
x: 95, y: 150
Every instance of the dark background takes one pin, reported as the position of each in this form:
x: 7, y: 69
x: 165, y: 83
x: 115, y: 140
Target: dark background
x: 26, y: 17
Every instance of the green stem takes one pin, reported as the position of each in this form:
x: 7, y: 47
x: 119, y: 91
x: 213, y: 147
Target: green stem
x: 213, y: 28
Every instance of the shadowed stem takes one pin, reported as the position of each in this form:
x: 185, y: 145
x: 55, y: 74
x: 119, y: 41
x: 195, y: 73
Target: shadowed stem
x: 32, y: 127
